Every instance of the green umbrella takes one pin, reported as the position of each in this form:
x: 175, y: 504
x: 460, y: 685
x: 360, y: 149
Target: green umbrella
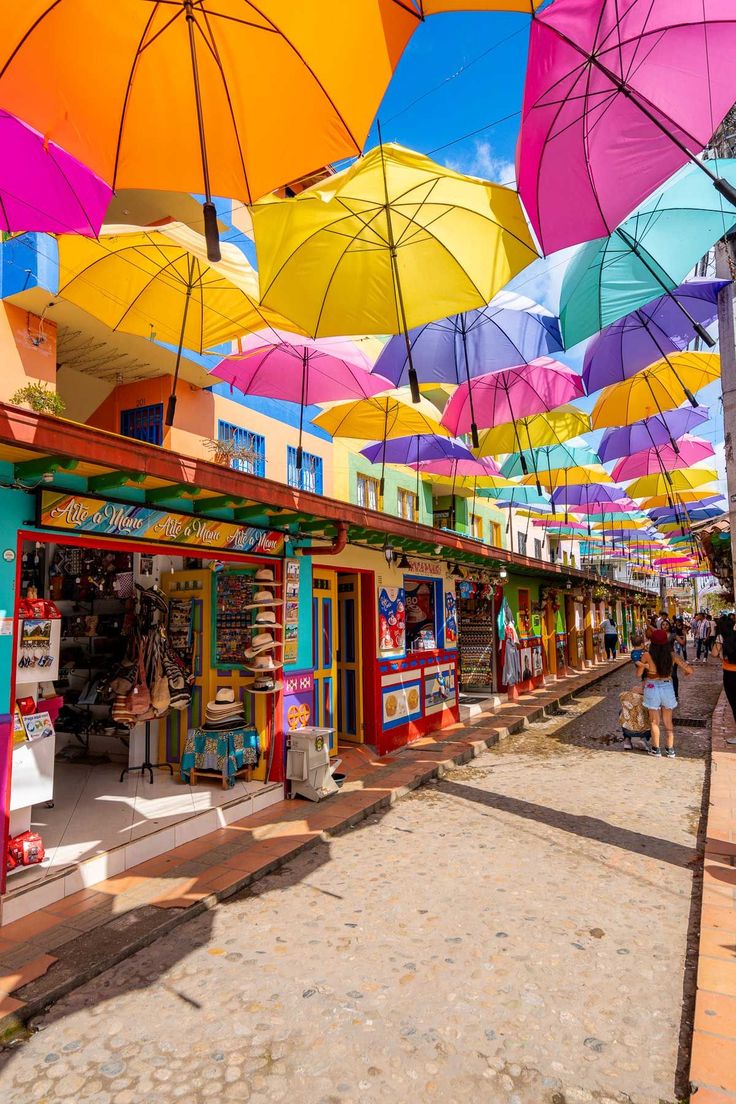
x: 651, y: 252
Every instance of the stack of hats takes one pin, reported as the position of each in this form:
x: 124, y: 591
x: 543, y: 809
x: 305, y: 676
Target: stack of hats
x: 261, y: 642
x: 264, y: 601
x: 225, y: 712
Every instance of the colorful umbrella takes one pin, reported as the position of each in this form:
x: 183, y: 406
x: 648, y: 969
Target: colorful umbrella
x: 659, y: 388
x: 519, y: 496
x: 583, y: 496
x: 617, y: 97
x: 279, y: 365
x: 414, y: 449
x: 678, y: 481
x: 432, y: 7
x: 510, y: 330
x: 419, y: 240
x: 575, y: 475
x: 683, y: 497
x: 550, y: 428
x: 469, y: 468
x: 651, y: 252
x: 549, y: 458
x: 233, y: 98
x: 43, y: 188
x: 660, y: 429
x: 160, y: 283
x: 650, y: 333
x: 690, y: 450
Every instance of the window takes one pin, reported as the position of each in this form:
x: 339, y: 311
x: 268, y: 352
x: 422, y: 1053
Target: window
x: 144, y: 423
x: 253, y: 458
x: 407, y: 505
x: 369, y: 492
x: 421, y: 605
x: 496, y: 537
x: 476, y: 527
x: 538, y: 548
x: 521, y: 543
x: 309, y: 477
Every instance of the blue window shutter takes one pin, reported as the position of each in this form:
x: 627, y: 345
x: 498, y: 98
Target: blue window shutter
x: 144, y: 423
x: 245, y: 438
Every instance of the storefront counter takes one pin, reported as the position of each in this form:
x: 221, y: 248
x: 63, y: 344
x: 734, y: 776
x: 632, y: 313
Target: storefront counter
x: 417, y: 694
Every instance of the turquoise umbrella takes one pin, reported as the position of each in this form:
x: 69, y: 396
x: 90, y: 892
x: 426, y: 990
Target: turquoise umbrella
x: 517, y: 496
x: 651, y: 252
x: 549, y: 458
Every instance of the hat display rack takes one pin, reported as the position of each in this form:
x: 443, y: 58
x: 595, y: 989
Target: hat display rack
x: 261, y: 658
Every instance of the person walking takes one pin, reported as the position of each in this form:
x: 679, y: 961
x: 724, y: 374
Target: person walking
x: 725, y: 650
x: 610, y: 636
x: 702, y: 632
x: 712, y: 632
x: 659, y: 694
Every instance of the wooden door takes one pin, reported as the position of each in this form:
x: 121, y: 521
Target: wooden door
x: 324, y: 647
x: 349, y: 660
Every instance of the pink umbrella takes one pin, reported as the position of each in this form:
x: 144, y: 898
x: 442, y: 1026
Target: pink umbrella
x: 690, y: 450
x: 617, y: 97
x: 43, y: 188
x: 512, y: 393
x: 453, y: 468
x: 280, y: 365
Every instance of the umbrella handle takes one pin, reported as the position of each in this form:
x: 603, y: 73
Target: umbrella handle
x: 211, y: 233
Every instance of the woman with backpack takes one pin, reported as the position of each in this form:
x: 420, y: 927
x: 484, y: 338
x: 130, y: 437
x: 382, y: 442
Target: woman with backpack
x: 725, y: 650
x: 659, y: 693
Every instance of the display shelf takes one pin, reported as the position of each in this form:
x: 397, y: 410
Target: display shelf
x: 260, y: 670
x: 24, y: 869
x: 277, y: 686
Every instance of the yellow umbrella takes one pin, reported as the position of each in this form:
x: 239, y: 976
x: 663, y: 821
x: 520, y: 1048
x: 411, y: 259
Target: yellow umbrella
x: 553, y: 427
x: 390, y: 243
x: 567, y: 477
x: 233, y: 98
x: 160, y: 284
x: 683, y: 479
x: 681, y: 496
x: 662, y: 386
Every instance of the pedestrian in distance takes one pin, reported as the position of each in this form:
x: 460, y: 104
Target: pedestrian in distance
x: 659, y: 694
x: 725, y: 650
x: 712, y: 632
x: 702, y: 633
x: 610, y: 636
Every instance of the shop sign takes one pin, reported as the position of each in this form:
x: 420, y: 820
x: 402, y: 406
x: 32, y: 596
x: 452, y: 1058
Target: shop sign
x: 87, y: 516
x: 424, y: 567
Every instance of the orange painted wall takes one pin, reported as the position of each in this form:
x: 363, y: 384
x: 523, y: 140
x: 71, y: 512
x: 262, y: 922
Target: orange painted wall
x: 27, y: 350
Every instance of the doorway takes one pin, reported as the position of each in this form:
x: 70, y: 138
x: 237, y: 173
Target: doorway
x: 340, y: 651
x: 349, y: 660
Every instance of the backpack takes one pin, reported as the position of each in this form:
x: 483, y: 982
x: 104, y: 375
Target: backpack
x: 728, y: 647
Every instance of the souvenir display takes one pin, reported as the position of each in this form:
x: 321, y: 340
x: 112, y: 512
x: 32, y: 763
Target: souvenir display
x: 233, y: 618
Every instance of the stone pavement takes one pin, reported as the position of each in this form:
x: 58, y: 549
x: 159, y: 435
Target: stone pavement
x: 522, y: 930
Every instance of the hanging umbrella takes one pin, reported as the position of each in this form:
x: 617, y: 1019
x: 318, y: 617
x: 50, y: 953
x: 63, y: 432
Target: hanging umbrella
x: 433, y: 7
x: 159, y: 283
x: 280, y: 365
x: 512, y: 393
x: 510, y: 330
x: 683, y: 497
x: 661, y: 387
x: 467, y: 468
x: 43, y: 188
x: 419, y: 240
x: 232, y: 98
x: 560, y: 477
x: 651, y: 252
x: 660, y: 429
x: 699, y: 513
x: 583, y: 496
x: 617, y: 97
x: 691, y: 450
x: 689, y: 480
x: 550, y: 428
x: 519, y: 496
x: 549, y: 458
x: 650, y: 333
x: 414, y: 449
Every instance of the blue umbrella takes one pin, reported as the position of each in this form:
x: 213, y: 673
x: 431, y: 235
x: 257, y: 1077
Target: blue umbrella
x: 549, y: 457
x: 519, y: 496
x: 509, y: 331
x: 651, y: 252
x: 650, y: 333
x: 660, y: 429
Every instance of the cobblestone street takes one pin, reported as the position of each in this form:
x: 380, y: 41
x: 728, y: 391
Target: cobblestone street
x: 515, y: 932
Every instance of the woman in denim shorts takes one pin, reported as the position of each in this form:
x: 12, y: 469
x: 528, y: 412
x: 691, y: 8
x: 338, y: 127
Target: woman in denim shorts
x: 659, y: 693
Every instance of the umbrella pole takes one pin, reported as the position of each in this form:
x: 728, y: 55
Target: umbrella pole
x: 472, y: 516
x: 452, y: 495
x: 522, y: 458
x: 171, y: 405
x: 211, y: 233
x: 398, y: 294
x: 382, y: 482
x: 636, y: 250
x: 305, y: 370
x: 473, y: 424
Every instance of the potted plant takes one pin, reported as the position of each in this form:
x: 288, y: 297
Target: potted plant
x: 226, y: 452
x: 40, y: 398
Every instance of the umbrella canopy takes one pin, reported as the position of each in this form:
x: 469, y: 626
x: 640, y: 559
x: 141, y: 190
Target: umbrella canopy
x: 160, y: 283
x: 385, y: 417
x: 432, y: 7
x: 452, y: 468
x: 691, y: 450
x: 649, y: 253
x: 43, y: 188
x: 548, y: 459
x: 510, y: 330
x: 416, y: 448
x: 677, y: 481
x: 550, y: 428
x: 512, y: 393
x: 583, y: 495
x: 169, y: 101
x: 661, y: 387
x: 419, y: 240
x: 617, y: 97
x: 684, y: 497
x: 650, y: 333
x: 660, y: 429
x: 519, y: 496
x: 699, y: 513
x: 562, y: 476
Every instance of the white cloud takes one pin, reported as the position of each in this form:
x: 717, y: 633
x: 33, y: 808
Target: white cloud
x: 482, y: 161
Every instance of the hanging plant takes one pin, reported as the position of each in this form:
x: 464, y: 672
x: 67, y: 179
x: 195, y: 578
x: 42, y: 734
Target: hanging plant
x: 40, y: 398
x: 227, y: 452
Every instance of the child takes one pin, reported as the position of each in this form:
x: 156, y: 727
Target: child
x: 634, y: 718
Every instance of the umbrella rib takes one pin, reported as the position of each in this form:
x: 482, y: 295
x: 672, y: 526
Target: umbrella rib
x: 212, y: 46
x: 129, y: 85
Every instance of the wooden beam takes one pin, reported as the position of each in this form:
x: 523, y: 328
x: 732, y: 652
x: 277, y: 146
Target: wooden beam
x: 250, y: 513
x: 43, y: 465
x: 174, y: 490
x: 113, y: 481
x: 217, y: 502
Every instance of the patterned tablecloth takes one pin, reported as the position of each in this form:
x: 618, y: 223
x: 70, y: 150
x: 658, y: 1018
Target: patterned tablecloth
x: 226, y: 752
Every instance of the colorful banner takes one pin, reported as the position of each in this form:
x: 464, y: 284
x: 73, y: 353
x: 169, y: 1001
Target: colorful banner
x: 391, y: 618
x: 87, y: 516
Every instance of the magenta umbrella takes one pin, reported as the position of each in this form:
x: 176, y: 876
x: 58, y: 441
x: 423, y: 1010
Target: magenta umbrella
x: 43, y: 188
x: 280, y: 365
x: 511, y: 393
x: 618, y: 96
x: 690, y: 450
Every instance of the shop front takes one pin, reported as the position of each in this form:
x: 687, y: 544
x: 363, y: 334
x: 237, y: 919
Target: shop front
x: 146, y: 672
x: 477, y: 613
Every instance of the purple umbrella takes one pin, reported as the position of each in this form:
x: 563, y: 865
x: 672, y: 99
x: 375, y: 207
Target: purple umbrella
x: 587, y: 495
x: 43, y: 188
x: 660, y: 429
x: 650, y: 333
x: 415, y: 449
x: 510, y: 330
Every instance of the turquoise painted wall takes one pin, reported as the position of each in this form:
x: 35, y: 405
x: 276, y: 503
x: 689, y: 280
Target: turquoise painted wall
x: 304, y: 655
x: 17, y: 511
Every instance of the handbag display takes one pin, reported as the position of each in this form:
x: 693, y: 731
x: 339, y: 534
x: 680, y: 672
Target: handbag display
x: 139, y: 698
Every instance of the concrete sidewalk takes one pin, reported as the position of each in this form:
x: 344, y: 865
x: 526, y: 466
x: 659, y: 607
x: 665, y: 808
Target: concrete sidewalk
x: 55, y: 950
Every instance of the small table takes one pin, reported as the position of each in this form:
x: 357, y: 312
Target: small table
x: 226, y: 754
